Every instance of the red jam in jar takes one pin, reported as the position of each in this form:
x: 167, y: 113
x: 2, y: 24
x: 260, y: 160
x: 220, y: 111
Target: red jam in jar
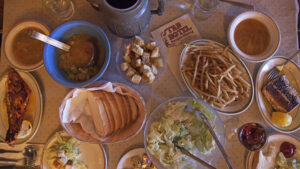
x: 253, y: 136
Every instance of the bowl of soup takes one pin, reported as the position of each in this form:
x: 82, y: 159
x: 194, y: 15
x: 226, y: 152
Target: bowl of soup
x: 254, y: 36
x: 87, y: 59
x: 21, y: 51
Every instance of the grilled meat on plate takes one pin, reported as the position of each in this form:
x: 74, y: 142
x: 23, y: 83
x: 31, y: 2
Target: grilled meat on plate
x: 17, y: 98
x: 281, y: 94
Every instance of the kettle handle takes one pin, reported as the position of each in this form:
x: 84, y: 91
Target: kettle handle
x: 160, y: 9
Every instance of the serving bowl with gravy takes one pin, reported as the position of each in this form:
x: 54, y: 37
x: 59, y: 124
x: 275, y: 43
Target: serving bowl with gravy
x: 254, y: 36
x: 21, y: 51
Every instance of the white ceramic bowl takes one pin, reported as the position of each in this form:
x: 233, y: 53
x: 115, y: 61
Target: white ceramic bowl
x: 8, y: 45
x: 272, y: 28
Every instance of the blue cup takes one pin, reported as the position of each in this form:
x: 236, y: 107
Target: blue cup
x: 64, y: 32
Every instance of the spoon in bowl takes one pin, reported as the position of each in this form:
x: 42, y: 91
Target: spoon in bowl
x: 90, y: 49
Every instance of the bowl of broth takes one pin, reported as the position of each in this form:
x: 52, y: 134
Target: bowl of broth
x: 21, y: 51
x: 75, y: 68
x: 254, y: 36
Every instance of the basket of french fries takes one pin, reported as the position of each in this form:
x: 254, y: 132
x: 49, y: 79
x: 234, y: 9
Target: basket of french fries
x: 214, y: 74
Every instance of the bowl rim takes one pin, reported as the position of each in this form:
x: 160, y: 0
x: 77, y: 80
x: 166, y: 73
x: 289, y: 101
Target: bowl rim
x: 176, y: 98
x: 74, y: 84
x: 191, y: 90
x: 229, y: 39
x: 25, y: 68
x: 119, y: 59
x: 110, y: 142
x: 266, y: 119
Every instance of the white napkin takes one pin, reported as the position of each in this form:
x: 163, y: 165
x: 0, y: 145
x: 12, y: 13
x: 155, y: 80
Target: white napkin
x: 84, y: 108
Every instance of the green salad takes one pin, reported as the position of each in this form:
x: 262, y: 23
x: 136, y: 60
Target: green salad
x: 64, y: 154
x: 179, y: 122
x: 287, y: 163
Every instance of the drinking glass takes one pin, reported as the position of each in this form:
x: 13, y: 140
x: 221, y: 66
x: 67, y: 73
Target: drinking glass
x: 202, y: 9
x: 63, y: 9
x: 252, y: 135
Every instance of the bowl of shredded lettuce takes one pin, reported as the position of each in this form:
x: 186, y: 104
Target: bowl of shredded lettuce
x: 176, y: 119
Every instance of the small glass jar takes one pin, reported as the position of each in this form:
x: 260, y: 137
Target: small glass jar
x: 63, y: 9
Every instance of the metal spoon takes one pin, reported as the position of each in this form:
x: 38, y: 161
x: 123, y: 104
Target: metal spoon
x: 240, y: 4
x: 211, y: 130
x: 65, y: 47
x: 184, y: 151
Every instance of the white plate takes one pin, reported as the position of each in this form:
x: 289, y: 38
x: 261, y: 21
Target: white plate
x: 35, y: 106
x: 93, y: 155
x: 292, y: 72
x: 234, y: 108
x: 125, y: 160
x: 275, y: 139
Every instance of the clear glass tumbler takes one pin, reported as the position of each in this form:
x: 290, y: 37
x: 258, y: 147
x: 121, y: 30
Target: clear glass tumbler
x: 63, y: 9
x: 202, y: 9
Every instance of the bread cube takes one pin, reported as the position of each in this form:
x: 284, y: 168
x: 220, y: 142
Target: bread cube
x: 139, y: 41
x: 69, y: 166
x: 155, y: 52
x: 145, y: 69
x: 127, y: 49
x: 158, y: 62
x: 137, y: 49
x: 60, y: 153
x: 124, y: 66
x: 136, y: 78
x: 154, y: 69
x: 127, y: 58
x: 137, y: 56
x: 151, y: 45
x: 150, y: 76
x: 138, y: 63
x: 146, y: 58
x: 144, y: 79
x: 130, y: 72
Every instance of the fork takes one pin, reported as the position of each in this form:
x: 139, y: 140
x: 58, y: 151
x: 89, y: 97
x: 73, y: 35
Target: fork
x: 275, y: 71
x: 30, y: 155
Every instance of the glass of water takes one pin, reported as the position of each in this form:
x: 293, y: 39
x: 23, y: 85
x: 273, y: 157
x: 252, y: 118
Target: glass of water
x: 63, y: 9
x: 202, y: 9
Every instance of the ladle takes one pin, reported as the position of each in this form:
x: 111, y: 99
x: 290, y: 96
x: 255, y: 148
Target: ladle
x: 65, y: 47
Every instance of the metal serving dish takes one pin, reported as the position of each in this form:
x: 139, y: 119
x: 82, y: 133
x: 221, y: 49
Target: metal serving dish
x: 292, y: 71
x: 234, y: 108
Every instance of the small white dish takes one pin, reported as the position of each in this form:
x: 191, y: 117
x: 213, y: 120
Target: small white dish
x: 8, y: 45
x: 125, y: 160
x: 270, y: 24
x: 93, y: 155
